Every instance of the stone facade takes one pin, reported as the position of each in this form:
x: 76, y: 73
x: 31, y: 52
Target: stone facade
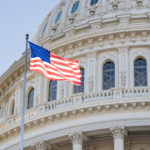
x: 96, y: 119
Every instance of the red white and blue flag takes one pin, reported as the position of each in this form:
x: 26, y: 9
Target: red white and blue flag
x: 54, y: 67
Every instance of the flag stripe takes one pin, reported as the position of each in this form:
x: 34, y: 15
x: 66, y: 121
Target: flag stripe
x: 54, y: 67
x: 67, y: 65
x: 52, y: 73
x: 49, y: 66
x: 64, y: 59
x: 75, y: 70
x: 53, y: 76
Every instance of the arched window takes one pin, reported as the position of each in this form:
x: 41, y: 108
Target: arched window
x: 45, y: 26
x: 1, y: 112
x: 30, y: 99
x: 78, y: 89
x: 75, y: 7
x: 52, y: 90
x: 140, y: 72
x: 93, y: 2
x: 58, y: 17
x: 12, y: 107
x: 108, y: 75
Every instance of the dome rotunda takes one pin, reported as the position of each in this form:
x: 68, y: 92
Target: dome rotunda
x: 111, y: 108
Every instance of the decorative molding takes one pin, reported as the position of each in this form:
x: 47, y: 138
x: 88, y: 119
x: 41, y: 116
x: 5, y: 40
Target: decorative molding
x: 115, y: 4
x: 139, y: 3
x: 97, y: 31
x: 124, y: 19
x: 41, y: 146
x: 118, y: 132
x: 77, y: 138
x: 91, y: 83
x: 123, y: 78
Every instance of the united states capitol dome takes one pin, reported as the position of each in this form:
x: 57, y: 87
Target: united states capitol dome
x: 111, y: 108
x: 74, y: 17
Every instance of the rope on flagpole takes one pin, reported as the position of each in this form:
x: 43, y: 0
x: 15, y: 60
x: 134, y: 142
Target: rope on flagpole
x: 24, y: 96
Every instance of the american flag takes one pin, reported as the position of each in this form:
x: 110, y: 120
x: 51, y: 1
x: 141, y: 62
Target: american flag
x: 54, y: 67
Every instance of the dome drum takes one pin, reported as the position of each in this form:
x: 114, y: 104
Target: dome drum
x: 110, y: 110
x: 110, y: 8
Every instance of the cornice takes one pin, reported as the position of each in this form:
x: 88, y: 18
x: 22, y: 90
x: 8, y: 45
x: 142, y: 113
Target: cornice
x: 85, y: 128
x: 95, y: 41
x: 120, y: 18
x: 14, y: 84
x: 118, y: 132
x: 83, y: 46
x: 122, y: 32
x: 104, y: 11
x: 91, y: 104
x: 12, y: 69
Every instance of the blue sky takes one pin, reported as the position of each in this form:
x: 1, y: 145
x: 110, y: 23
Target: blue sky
x: 18, y: 17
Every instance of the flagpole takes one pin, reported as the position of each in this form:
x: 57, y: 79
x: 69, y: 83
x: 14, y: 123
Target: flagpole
x: 24, y: 96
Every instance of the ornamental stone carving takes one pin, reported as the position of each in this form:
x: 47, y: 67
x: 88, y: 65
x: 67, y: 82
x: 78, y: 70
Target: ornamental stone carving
x: 92, y: 10
x: 1, y: 112
x: 126, y: 5
x: 139, y: 3
x: 77, y: 138
x: 115, y: 4
x: 128, y: 145
x: 118, y: 132
x: 91, y: 83
x: 61, y: 86
x: 123, y: 78
x: 71, y: 19
x: 124, y: 19
x: 99, y: 32
x: 41, y: 146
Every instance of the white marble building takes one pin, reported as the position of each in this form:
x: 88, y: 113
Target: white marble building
x: 111, y: 110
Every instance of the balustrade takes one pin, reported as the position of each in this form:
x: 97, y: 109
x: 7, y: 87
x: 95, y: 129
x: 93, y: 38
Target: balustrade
x: 79, y: 99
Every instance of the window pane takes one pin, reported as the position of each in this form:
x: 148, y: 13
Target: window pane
x: 44, y: 28
x: 30, y: 99
x: 12, y: 108
x: 1, y: 112
x: 108, y: 75
x: 75, y: 7
x: 78, y: 89
x: 52, y: 91
x: 93, y: 2
x: 140, y: 72
x: 58, y: 17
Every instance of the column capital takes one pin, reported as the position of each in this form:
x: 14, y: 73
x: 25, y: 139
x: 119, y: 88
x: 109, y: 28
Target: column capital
x: 118, y: 132
x: 77, y: 137
x: 41, y: 146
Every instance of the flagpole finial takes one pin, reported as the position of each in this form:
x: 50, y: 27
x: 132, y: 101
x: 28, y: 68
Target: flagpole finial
x: 27, y: 36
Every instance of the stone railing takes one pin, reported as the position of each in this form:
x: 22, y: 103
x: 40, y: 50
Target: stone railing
x: 136, y: 92
x: 80, y: 100
x: 16, y: 118
x: 99, y: 96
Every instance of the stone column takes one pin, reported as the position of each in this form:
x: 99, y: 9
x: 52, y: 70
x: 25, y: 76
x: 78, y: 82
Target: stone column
x: 123, y: 66
x: 82, y: 11
x: 118, y: 135
x: 91, y: 73
x: 63, y: 6
x: 77, y: 140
